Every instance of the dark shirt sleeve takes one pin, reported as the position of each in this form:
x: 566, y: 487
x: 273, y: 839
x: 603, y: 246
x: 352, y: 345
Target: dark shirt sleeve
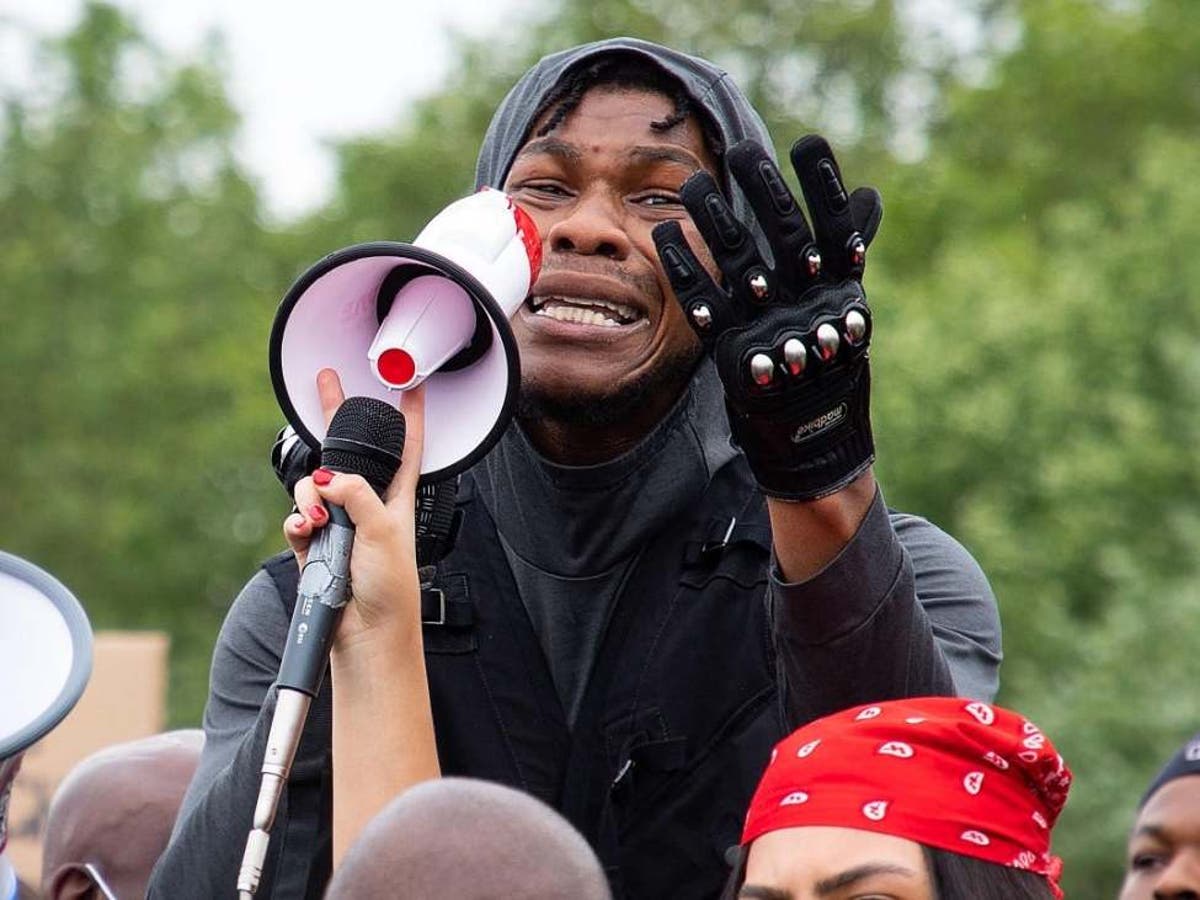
x: 206, y: 847
x: 903, y: 611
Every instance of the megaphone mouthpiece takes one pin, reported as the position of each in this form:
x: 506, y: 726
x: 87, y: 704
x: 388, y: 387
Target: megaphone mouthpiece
x: 430, y: 320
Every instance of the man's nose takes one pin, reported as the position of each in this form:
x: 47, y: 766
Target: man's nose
x: 593, y: 227
x: 1180, y: 880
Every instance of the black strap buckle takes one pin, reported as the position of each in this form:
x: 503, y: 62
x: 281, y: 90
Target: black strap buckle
x: 710, y: 549
x: 433, y: 606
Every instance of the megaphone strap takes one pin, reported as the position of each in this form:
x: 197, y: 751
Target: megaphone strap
x: 436, y: 520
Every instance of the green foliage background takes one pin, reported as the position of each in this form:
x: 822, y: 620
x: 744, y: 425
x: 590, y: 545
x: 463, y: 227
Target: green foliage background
x: 1035, y: 283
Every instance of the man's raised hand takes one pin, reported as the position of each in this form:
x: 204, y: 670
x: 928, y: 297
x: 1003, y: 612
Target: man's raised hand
x: 790, y: 336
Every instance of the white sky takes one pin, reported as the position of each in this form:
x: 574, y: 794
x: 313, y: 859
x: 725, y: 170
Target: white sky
x: 300, y: 72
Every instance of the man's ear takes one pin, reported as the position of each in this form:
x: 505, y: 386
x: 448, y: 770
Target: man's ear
x: 69, y: 882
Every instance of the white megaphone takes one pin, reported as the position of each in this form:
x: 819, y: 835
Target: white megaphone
x: 45, y: 663
x: 389, y: 316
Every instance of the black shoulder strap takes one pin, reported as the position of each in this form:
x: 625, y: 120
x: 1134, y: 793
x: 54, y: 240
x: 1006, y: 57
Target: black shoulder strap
x: 286, y: 575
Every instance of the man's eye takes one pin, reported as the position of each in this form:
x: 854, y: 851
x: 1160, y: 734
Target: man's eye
x: 548, y: 189
x: 1141, y: 862
x: 659, y: 199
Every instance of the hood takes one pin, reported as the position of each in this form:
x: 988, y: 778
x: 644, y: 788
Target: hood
x: 709, y: 86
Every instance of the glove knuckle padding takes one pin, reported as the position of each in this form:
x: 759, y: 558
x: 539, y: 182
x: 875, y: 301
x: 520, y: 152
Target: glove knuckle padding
x: 805, y: 434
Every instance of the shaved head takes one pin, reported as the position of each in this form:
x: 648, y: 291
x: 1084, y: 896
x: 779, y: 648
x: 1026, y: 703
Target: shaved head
x: 471, y: 840
x: 115, y: 811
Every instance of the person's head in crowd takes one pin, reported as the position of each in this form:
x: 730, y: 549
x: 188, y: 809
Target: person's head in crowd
x: 112, y: 816
x: 470, y: 840
x: 1163, y: 857
x: 596, y: 159
x: 933, y: 798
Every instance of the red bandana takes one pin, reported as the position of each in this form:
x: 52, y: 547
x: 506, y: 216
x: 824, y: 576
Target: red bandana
x: 942, y: 771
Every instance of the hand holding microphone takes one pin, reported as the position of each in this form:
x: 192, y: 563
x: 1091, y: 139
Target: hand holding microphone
x: 364, y: 443
x: 383, y: 579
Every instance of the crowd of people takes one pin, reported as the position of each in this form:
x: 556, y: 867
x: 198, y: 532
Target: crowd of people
x: 924, y: 798
x: 698, y: 653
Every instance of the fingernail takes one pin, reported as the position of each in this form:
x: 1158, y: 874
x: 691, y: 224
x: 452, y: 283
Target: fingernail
x: 296, y: 521
x: 316, y: 512
x: 322, y: 477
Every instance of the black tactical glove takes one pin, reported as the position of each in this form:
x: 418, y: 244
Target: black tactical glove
x: 790, y: 340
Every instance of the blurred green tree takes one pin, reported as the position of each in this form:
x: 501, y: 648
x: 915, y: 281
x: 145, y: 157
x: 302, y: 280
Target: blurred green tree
x: 1034, y: 286
x: 133, y: 271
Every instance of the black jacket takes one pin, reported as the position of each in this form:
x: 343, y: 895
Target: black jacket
x: 701, y: 670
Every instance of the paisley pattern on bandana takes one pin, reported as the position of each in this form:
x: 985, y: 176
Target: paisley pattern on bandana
x: 950, y: 773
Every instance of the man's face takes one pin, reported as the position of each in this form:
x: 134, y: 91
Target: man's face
x: 602, y: 328
x: 1163, y: 859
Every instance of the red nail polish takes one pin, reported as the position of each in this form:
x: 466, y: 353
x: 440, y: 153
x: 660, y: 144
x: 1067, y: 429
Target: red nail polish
x: 316, y: 513
x: 322, y: 477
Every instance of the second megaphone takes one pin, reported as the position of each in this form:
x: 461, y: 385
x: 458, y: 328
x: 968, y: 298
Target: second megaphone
x: 388, y: 316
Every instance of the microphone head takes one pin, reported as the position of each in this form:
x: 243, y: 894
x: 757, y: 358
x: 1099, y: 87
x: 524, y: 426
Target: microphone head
x: 366, y: 437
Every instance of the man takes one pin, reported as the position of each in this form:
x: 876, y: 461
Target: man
x: 611, y: 650
x: 519, y: 847
x: 112, y: 815
x: 1163, y: 860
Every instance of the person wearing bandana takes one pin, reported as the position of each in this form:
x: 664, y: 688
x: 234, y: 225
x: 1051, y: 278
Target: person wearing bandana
x: 933, y: 798
x: 678, y: 551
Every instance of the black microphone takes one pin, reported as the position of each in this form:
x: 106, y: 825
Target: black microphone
x: 365, y: 437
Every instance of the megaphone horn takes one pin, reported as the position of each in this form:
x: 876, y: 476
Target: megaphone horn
x: 45, y: 653
x: 389, y: 316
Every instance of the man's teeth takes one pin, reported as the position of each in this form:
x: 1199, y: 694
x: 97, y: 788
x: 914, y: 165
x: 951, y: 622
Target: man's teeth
x: 577, y: 315
x: 585, y: 312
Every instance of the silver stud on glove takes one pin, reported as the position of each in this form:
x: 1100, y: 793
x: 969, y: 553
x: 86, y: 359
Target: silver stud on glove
x: 828, y: 341
x: 856, y: 327
x: 858, y: 252
x: 762, y: 369
x: 812, y: 262
x: 759, y: 286
x: 795, y: 356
